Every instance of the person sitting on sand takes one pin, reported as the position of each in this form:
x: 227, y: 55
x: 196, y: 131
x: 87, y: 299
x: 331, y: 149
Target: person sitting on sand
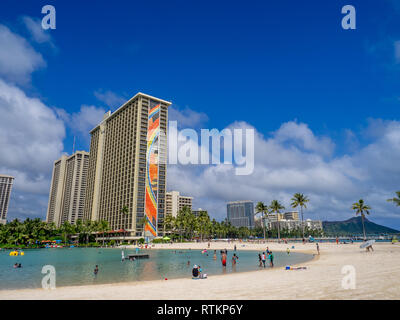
x: 195, y: 272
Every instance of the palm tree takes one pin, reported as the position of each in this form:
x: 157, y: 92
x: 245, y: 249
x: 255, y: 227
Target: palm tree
x: 263, y: 209
x: 362, y: 208
x: 300, y: 199
x: 396, y: 200
x: 142, y: 221
x: 66, y: 229
x: 275, y: 207
x: 169, y: 223
x: 125, y: 211
x: 203, y: 220
x: 103, y: 227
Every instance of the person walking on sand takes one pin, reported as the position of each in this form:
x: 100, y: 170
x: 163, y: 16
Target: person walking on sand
x: 317, y: 247
x: 337, y: 240
x: 263, y: 258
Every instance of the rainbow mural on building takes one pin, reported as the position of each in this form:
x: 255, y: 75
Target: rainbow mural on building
x: 152, y: 158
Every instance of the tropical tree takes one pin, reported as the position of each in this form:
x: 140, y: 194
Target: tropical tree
x: 142, y: 221
x: 361, y: 208
x: 203, y: 223
x: 275, y: 207
x: 169, y: 223
x: 125, y: 211
x: 396, y: 199
x: 66, y: 229
x: 263, y: 209
x: 103, y: 228
x: 301, y: 200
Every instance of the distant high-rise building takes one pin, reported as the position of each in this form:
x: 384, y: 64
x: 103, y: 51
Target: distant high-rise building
x: 198, y: 211
x: 175, y: 202
x: 6, y: 183
x: 68, y: 188
x: 291, y: 215
x: 241, y: 213
x: 127, y: 168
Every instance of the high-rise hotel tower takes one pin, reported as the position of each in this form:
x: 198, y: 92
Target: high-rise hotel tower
x: 6, y: 183
x: 68, y: 188
x: 127, y: 168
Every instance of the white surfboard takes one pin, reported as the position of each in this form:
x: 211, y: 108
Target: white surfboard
x: 367, y: 244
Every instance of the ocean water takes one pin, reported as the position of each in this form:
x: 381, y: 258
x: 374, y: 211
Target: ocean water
x: 74, y: 266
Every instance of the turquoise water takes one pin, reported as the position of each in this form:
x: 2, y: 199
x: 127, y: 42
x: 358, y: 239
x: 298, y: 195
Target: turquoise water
x: 74, y: 266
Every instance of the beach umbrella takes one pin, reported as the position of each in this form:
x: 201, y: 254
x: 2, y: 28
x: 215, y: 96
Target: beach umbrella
x: 166, y: 238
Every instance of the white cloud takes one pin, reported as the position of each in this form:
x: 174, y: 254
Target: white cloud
x: 31, y: 138
x: 36, y: 31
x: 84, y: 120
x: 302, y: 136
x: 17, y: 57
x: 111, y: 99
x: 186, y: 118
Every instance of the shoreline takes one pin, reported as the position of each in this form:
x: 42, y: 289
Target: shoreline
x: 378, y: 277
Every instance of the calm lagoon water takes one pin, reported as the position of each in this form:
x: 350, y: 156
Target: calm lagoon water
x: 74, y: 266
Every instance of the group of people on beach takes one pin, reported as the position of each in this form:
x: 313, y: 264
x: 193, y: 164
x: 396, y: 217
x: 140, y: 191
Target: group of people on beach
x: 262, y: 258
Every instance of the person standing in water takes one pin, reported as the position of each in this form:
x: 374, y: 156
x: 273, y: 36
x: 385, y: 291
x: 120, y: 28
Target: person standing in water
x: 96, y: 270
x: 215, y: 255
x: 234, y: 259
x: 223, y: 259
x: 271, y: 259
x: 288, y: 251
x: 259, y: 260
x: 263, y: 258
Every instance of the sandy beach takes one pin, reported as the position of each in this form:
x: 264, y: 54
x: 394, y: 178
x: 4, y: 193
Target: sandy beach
x: 377, y: 277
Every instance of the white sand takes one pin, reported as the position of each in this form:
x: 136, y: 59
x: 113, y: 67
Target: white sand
x: 377, y: 277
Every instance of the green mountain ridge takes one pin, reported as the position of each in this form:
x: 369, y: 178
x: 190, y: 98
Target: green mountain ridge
x: 353, y: 226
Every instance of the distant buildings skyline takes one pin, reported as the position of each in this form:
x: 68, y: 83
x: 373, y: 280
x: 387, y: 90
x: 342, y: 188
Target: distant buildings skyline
x: 174, y: 202
x: 241, y: 213
x: 6, y: 183
x: 68, y: 188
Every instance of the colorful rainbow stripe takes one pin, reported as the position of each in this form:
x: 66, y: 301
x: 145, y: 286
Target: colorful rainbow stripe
x: 152, y: 171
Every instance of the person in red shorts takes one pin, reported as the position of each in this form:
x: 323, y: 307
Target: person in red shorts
x: 223, y: 258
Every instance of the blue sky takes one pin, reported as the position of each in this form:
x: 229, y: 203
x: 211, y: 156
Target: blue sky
x: 262, y: 64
